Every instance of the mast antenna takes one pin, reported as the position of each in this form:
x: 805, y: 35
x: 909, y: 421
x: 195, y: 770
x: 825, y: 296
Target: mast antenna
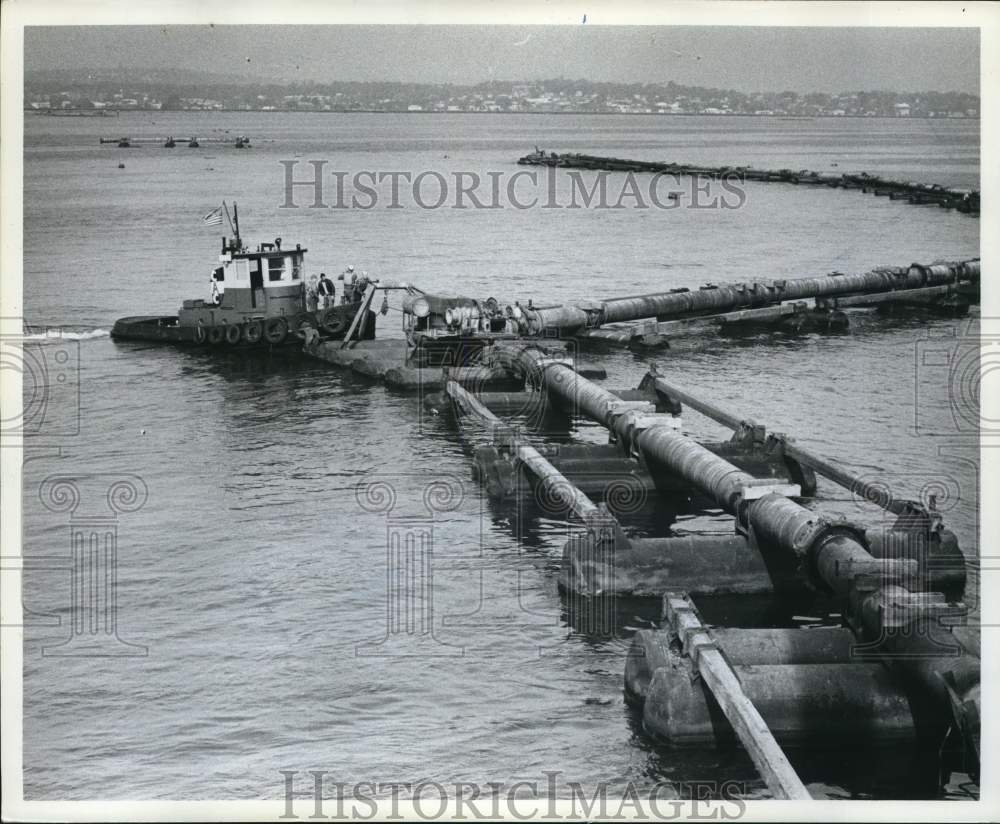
x: 236, y: 225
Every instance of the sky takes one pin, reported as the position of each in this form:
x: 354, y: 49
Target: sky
x: 743, y: 58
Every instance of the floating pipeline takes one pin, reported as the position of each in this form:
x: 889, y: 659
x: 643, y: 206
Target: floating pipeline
x: 909, y: 630
x: 920, y: 194
x: 714, y: 299
x: 894, y: 675
x: 459, y: 330
x: 651, y: 320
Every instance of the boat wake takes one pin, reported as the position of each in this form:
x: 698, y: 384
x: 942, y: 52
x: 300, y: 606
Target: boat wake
x: 57, y: 333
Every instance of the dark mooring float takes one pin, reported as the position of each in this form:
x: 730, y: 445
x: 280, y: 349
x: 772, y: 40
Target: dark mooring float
x: 258, y: 298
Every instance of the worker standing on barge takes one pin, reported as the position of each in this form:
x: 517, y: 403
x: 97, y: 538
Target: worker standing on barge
x: 327, y: 291
x: 350, y: 286
x: 348, y: 277
x: 312, y: 296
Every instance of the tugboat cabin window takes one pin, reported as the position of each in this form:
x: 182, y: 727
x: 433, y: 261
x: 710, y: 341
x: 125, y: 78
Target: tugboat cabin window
x: 239, y: 272
x: 275, y: 268
x: 296, y: 267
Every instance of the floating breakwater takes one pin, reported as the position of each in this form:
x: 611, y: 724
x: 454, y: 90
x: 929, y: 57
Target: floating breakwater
x: 921, y: 194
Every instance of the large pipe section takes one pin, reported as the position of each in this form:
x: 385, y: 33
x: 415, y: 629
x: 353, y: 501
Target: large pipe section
x: 730, y: 297
x: 711, y: 475
x: 836, y: 554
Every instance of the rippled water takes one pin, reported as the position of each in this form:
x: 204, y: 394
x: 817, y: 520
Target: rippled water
x: 253, y: 577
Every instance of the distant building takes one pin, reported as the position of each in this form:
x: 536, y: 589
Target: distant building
x: 902, y: 110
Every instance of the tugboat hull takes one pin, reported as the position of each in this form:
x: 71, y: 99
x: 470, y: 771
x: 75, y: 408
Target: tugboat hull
x: 331, y: 324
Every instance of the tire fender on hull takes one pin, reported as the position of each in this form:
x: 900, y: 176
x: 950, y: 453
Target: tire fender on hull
x: 253, y: 332
x: 333, y: 323
x: 302, y: 320
x: 276, y: 330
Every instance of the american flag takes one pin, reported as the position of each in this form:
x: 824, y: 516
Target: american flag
x: 213, y: 218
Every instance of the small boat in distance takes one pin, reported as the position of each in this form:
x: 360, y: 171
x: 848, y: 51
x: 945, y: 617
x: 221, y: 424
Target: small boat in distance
x: 258, y: 298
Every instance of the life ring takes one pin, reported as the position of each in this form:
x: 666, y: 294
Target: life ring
x: 276, y: 330
x: 253, y: 331
x: 232, y: 334
x: 200, y: 334
x: 333, y: 323
x: 216, y: 334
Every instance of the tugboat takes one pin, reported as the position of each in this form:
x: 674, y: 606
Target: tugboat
x: 258, y: 299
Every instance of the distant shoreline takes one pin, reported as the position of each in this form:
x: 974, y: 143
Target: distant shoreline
x: 46, y: 113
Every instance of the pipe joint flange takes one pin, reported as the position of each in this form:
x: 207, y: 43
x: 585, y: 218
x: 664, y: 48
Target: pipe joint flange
x: 595, y: 317
x: 636, y: 421
x: 810, y: 541
x: 536, y: 373
x: 835, y: 527
x: 923, y: 270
